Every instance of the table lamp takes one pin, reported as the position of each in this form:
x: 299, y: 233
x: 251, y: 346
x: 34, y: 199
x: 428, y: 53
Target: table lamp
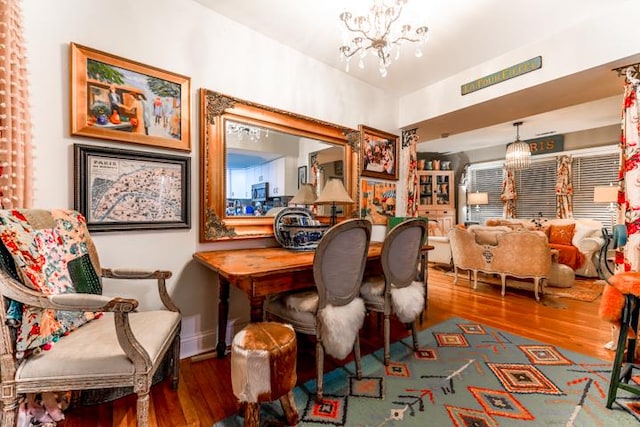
x: 306, y: 195
x: 334, y: 194
x: 477, y: 199
x: 606, y: 194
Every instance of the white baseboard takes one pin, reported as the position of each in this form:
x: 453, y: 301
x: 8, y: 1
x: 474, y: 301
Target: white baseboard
x: 206, y: 341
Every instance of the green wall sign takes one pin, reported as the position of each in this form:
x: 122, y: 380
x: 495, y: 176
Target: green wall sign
x: 500, y: 76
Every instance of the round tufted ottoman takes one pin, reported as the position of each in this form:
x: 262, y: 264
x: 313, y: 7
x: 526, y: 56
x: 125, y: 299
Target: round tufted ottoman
x: 263, y: 368
x: 562, y: 276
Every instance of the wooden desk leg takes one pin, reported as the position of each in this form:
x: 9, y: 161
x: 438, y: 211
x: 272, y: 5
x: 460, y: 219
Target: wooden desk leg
x: 257, y: 309
x: 223, y: 314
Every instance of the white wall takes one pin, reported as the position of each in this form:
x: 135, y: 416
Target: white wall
x: 186, y: 38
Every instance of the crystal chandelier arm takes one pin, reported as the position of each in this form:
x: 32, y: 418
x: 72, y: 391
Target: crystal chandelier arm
x: 420, y: 36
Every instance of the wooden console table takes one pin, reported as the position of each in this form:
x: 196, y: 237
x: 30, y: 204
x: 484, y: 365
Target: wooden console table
x: 263, y: 272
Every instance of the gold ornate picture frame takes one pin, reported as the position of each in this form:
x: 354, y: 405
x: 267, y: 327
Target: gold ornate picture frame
x: 378, y: 153
x: 122, y: 100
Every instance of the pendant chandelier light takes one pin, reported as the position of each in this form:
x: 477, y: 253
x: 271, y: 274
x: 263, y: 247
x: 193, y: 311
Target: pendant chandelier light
x: 380, y: 32
x: 518, y: 152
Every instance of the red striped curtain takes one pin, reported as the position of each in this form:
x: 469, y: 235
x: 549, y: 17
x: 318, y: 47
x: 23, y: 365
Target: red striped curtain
x: 628, y: 258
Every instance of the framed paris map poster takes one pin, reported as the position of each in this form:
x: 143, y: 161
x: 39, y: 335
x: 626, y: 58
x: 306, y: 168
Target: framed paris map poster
x: 120, y: 190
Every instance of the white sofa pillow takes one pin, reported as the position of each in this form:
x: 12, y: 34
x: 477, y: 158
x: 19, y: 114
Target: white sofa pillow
x: 583, y: 231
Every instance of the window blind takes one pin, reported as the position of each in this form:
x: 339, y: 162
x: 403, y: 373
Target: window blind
x: 536, y: 188
x: 486, y: 181
x: 589, y: 172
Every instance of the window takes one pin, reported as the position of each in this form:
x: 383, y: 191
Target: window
x: 536, y: 187
x: 536, y: 190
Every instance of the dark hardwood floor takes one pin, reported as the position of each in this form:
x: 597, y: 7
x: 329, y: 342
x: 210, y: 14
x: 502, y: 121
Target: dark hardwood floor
x: 204, y: 395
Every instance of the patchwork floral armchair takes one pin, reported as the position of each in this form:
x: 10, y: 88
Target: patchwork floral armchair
x: 59, y: 332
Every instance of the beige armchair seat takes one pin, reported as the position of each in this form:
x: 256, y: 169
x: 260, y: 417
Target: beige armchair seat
x: 84, y: 340
x: 522, y: 254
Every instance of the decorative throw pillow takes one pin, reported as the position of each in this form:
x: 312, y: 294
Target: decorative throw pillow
x: 582, y: 232
x: 43, y: 245
x: 561, y: 234
x: 84, y: 277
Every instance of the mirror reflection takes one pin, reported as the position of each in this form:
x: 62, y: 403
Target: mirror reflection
x: 254, y: 159
x: 265, y: 168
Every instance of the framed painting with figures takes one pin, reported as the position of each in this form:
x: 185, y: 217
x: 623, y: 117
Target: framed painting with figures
x: 378, y: 153
x: 123, y: 100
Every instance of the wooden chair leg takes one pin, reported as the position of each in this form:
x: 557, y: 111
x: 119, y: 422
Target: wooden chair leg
x: 356, y: 354
x: 142, y: 409
x: 252, y: 415
x: 319, y: 370
x: 10, y: 406
x: 387, y: 337
x: 175, y: 368
x: 414, y: 336
x: 289, y: 408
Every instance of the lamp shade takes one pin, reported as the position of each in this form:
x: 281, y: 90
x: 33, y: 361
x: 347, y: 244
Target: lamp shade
x: 305, y: 195
x: 334, y: 193
x: 478, y: 198
x: 518, y: 154
x: 605, y: 194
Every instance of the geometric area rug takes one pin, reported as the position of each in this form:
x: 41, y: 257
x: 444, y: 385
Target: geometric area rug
x: 465, y: 374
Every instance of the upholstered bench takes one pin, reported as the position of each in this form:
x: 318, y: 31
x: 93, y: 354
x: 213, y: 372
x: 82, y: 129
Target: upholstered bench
x: 263, y: 368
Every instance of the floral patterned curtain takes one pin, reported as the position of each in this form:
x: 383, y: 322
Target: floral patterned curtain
x: 16, y: 175
x: 628, y: 257
x: 564, y: 187
x: 412, y: 177
x: 508, y: 195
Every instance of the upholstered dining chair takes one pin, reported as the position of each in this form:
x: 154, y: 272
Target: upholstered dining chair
x: 398, y: 292
x: 333, y: 311
x: 59, y: 332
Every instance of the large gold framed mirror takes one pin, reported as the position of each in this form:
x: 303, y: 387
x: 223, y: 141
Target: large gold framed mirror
x: 254, y: 160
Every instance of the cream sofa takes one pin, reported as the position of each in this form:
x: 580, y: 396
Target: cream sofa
x: 500, y: 250
x: 441, y: 253
x: 587, y: 238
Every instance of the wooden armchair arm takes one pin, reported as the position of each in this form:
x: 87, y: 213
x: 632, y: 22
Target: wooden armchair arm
x: 90, y: 302
x: 130, y: 273
x: 160, y: 275
x: 121, y: 307
x: 67, y: 302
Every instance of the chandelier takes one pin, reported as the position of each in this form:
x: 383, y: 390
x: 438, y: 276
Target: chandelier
x: 380, y: 32
x: 242, y: 131
x: 518, y: 152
